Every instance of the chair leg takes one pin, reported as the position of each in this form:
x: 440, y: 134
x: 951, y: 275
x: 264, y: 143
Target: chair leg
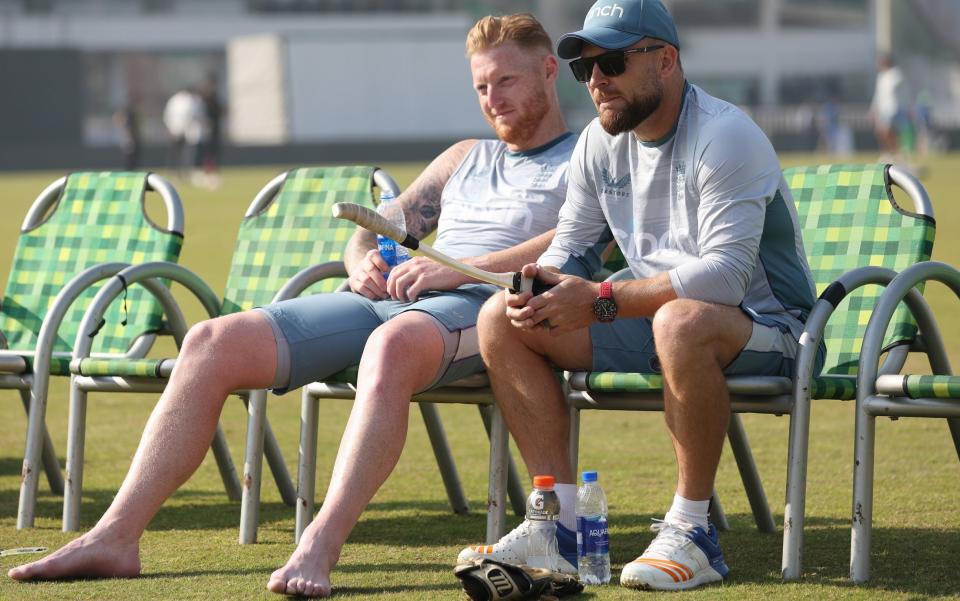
x: 794, y: 509
x: 307, y: 471
x: 862, y: 519
x: 574, y: 438
x: 76, y: 438
x: 49, y: 456
x: 748, y: 473
x: 717, y: 515
x: 278, y: 467
x: 954, y: 425
x: 441, y: 450
x: 37, y: 436
x: 228, y: 472
x: 515, y: 489
x: 496, y: 484
x: 252, y: 466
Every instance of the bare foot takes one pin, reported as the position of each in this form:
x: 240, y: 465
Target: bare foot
x: 86, y: 557
x: 306, y: 573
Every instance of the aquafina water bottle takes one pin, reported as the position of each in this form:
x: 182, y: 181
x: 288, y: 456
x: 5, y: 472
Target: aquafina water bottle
x: 593, y: 546
x: 392, y: 253
x: 543, y: 511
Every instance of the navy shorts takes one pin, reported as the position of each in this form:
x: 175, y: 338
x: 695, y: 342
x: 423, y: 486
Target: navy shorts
x: 627, y: 345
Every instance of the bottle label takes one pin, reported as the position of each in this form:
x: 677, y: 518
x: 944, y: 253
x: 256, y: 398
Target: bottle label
x: 592, y: 536
x: 388, y: 250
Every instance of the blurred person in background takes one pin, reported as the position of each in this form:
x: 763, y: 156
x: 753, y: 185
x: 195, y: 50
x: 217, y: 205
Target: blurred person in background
x: 890, y: 108
x: 210, y: 145
x: 127, y: 122
x: 185, y: 118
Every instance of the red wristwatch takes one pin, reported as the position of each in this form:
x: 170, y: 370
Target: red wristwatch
x: 604, y: 307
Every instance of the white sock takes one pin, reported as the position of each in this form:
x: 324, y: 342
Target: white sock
x: 567, y: 493
x: 687, y: 511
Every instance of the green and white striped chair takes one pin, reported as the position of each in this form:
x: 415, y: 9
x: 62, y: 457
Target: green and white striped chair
x: 83, y: 228
x: 882, y: 394
x: 289, y: 243
x: 855, y: 235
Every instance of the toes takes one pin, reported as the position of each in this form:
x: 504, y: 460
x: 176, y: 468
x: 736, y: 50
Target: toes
x: 24, y: 572
x: 316, y: 589
x: 295, y: 586
x: 276, y: 584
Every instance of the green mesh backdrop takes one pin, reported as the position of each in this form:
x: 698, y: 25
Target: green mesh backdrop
x: 98, y: 218
x: 295, y: 231
x: 850, y: 220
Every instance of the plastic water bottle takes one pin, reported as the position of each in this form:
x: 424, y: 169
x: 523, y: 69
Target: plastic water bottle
x: 593, y: 543
x: 392, y: 253
x: 543, y: 511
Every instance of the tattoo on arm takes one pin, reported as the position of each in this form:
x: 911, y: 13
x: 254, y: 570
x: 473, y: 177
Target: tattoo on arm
x: 421, y: 201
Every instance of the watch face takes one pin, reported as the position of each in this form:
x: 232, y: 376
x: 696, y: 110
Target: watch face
x: 605, y: 309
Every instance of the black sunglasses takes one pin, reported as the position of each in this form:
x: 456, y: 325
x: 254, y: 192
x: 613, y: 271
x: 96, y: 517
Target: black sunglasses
x: 611, y: 63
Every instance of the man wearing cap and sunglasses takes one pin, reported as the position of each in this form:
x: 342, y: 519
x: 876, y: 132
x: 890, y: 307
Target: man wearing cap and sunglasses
x: 691, y: 190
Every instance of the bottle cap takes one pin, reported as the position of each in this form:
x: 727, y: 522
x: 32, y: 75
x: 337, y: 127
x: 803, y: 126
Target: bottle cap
x: 590, y: 476
x: 544, y: 482
x: 386, y: 195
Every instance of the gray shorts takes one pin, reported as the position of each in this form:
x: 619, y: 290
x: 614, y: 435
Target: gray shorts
x: 320, y: 335
x: 627, y: 345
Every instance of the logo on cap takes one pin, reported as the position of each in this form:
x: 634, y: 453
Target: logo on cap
x: 605, y: 11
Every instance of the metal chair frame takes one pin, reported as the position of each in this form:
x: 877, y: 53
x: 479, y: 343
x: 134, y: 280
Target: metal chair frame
x: 34, y: 387
x: 881, y: 394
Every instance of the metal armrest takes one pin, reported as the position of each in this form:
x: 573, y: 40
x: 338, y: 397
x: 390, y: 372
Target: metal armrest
x: 309, y: 276
x: 903, y: 288
x: 148, y: 275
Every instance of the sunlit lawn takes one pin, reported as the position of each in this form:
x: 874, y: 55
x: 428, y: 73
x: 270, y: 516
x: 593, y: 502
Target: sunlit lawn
x: 406, y: 543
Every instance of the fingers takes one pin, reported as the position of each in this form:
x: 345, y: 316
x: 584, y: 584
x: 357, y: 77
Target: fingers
x: 367, y: 279
x: 405, y: 281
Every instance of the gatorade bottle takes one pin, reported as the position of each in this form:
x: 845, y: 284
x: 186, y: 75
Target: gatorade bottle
x: 543, y: 511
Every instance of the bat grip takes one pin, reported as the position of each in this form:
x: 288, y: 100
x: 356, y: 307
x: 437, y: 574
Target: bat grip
x: 525, y: 284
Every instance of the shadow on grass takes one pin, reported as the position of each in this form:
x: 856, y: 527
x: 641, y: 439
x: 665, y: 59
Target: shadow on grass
x: 11, y: 466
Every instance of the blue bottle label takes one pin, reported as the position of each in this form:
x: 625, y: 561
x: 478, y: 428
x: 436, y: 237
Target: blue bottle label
x: 388, y: 250
x: 592, y: 536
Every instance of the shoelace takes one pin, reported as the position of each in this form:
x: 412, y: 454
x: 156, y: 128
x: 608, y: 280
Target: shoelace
x: 669, y: 537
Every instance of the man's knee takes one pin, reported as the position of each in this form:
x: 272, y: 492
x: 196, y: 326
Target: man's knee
x: 679, y: 320
x: 397, y: 338
x: 213, y: 339
x: 492, y: 323
x: 685, y: 327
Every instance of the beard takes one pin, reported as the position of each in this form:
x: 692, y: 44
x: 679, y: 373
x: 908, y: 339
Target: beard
x: 615, y: 123
x: 531, y: 114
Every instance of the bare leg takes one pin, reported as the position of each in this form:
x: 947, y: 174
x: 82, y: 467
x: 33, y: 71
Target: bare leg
x: 697, y: 338
x: 218, y: 356
x: 401, y: 357
x: 527, y: 390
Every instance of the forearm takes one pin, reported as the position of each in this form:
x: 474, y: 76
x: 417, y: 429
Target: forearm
x: 515, y: 257
x: 362, y: 241
x: 642, y: 298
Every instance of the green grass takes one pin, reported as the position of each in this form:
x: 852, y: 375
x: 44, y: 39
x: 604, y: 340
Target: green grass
x: 406, y: 542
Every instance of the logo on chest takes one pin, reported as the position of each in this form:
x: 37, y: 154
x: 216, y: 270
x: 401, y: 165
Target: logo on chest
x: 610, y: 185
